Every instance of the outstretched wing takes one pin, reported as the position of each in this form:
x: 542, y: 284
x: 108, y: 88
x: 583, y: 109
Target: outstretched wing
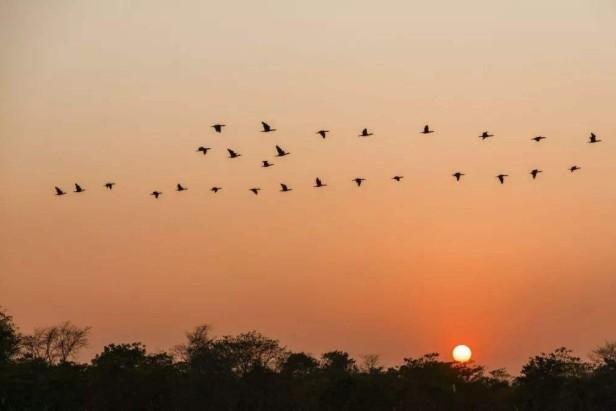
x: 266, y: 127
x: 280, y: 151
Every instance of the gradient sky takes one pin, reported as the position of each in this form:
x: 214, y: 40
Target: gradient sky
x: 126, y: 90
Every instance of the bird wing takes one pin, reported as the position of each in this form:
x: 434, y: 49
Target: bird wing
x: 318, y: 181
x: 266, y: 127
x: 280, y: 151
x: 59, y: 191
x: 426, y: 128
x: 231, y: 152
x: 77, y: 187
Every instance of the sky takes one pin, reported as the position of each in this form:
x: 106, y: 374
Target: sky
x: 125, y: 91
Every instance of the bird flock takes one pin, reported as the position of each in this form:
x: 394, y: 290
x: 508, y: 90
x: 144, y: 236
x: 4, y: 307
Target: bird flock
x: 280, y: 152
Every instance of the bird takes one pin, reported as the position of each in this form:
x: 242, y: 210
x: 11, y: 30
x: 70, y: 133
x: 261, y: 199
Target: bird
x: 574, y: 168
x: 426, y: 130
x: 78, y: 188
x: 267, y: 128
x: 501, y: 178
x: 323, y: 133
x: 534, y: 173
x: 180, y: 187
x: 284, y: 187
x: 538, y: 138
x: 266, y: 164
x: 233, y: 154
x: 203, y: 150
x: 59, y: 191
x: 109, y: 186
x: 457, y: 175
x: 280, y: 152
x: 218, y: 127
x: 215, y: 189
x: 358, y: 181
x: 318, y: 183
x: 593, y: 138
x: 255, y: 190
x: 365, y: 133
x: 485, y: 135
x: 397, y: 178
x: 156, y: 194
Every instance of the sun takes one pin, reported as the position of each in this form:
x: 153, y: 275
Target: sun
x: 461, y: 353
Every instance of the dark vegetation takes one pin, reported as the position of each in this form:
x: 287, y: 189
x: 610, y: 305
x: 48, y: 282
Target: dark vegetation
x: 252, y: 372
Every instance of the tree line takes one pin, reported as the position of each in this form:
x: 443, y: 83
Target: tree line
x: 250, y: 371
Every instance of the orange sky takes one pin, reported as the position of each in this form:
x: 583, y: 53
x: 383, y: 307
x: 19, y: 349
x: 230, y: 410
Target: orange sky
x: 126, y: 91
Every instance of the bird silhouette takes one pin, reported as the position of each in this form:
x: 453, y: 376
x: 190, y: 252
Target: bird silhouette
x: 397, y: 178
x: 59, y: 191
x: 457, y: 175
x: 215, y: 189
x: 255, y: 190
x: 280, y: 152
x: 574, y: 168
x: 538, y: 138
x: 426, y: 130
x: 593, y: 138
x: 218, y: 127
x: 233, y: 154
x: 485, y: 135
x: 156, y: 194
x: 267, y: 128
x: 323, y: 133
x: 203, y: 150
x: 358, y: 181
x: 284, y: 187
x: 78, y: 188
x: 534, y: 173
x: 266, y: 164
x: 109, y: 186
x: 501, y: 178
x: 365, y: 133
x: 181, y: 188
x: 318, y: 183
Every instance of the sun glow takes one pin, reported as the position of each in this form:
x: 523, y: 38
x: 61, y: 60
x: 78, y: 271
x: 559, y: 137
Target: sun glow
x: 461, y: 353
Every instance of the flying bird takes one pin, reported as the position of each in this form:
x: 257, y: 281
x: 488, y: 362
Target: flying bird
x: 397, y: 178
x: 78, y: 188
x: 284, y: 188
x: 485, y: 135
x: 574, y: 168
x: 501, y: 178
x: 218, y: 127
x: 203, y: 150
x: 255, y: 190
x: 538, y: 138
x: 323, y: 133
x: 156, y: 194
x: 365, y: 133
x: 215, y: 189
x: 593, y: 138
x: 535, y: 172
x: 426, y: 130
x: 457, y: 175
x: 181, y: 188
x: 109, y: 186
x: 233, y: 154
x: 358, y: 181
x: 59, y: 191
x: 267, y: 128
x: 266, y: 164
x: 280, y: 152
x: 318, y: 183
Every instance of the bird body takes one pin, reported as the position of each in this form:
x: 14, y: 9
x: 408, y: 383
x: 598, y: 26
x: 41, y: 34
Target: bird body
x: 255, y: 190
x: 318, y: 183
x: 233, y: 154
x: 426, y: 130
x: 535, y: 172
x: 266, y: 164
x: 79, y: 189
x: 280, y: 152
x: 215, y: 189
x: 267, y: 128
x: 59, y: 191
x: 358, y: 181
x: 539, y: 138
x: 203, y: 150
x: 593, y: 139
x: 156, y: 194
x: 365, y: 133
x: 109, y: 186
x: 397, y: 178
x: 218, y: 127
x: 485, y: 135
x: 574, y: 168
x: 457, y: 175
x: 181, y: 188
x: 284, y: 188
x: 501, y: 178
x: 323, y: 133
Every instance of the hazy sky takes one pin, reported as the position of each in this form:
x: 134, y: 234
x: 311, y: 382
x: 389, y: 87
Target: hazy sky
x: 125, y: 91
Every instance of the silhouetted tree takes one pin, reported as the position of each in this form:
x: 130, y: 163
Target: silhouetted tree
x: 9, y: 338
x: 56, y: 344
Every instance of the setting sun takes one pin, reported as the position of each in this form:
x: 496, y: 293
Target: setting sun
x: 461, y: 353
